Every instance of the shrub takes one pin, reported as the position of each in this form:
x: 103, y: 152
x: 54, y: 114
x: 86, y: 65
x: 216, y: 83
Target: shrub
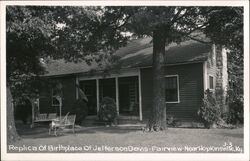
x: 172, y: 122
x: 210, y: 109
x: 107, y: 111
x: 80, y: 109
x: 235, y: 107
x: 235, y: 114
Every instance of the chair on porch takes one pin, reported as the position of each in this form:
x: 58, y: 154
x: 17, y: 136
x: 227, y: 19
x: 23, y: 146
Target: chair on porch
x: 67, y: 121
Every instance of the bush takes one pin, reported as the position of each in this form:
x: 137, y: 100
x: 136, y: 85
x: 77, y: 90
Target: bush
x: 236, y: 114
x: 210, y: 110
x: 107, y: 111
x: 80, y: 109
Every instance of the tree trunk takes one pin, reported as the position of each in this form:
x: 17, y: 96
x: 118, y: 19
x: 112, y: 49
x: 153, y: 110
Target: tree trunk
x: 157, y: 120
x: 12, y: 135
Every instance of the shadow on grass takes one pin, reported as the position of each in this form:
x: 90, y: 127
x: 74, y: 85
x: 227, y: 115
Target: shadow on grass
x: 234, y: 135
x: 115, y: 130
x: 42, y: 131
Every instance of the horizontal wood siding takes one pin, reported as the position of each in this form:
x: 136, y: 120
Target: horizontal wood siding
x: 190, y: 88
x: 69, y: 96
x: 45, y: 101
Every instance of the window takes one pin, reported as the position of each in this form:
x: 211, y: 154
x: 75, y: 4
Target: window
x: 211, y: 82
x: 172, y: 89
x: 55, y: 102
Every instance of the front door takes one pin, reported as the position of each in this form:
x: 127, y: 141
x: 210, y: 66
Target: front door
x: 128, y: 96
x: 107, y: 88
x: 89, y: 88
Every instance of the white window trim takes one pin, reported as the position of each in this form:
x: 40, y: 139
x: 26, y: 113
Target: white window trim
x: 52, y: 103
x: 178, y: 89
x: 212, y: 89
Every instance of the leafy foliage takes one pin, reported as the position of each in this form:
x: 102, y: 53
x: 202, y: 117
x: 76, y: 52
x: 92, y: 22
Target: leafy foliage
x: 107, y: 111
x: 210, y: 109
x: 236, y: 109
x: 235, y: 74
x: 29, y: 32
x: 80, y: 109
x: 226, y: 30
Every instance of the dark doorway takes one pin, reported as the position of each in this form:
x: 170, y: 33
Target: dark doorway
x: 128, y: 96
x: 89, y: 88
x: 107, y: 88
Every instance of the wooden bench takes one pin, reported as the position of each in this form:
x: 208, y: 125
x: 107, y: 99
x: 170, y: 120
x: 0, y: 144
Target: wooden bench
x: 44, y: 117
x: 51, y: 116
x: 67, y: 121
x: 41, y: 117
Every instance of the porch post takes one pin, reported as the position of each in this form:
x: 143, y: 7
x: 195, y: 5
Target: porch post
x: 205, y: 85
x: 77, y: 83
x: 38, y: 105
x: 117, y: 94
x: 97, y: 95
x: 140, y: 97
x: 33, y: 116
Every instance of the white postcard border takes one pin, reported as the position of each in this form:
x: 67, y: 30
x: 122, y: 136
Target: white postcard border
x: 122, y: 156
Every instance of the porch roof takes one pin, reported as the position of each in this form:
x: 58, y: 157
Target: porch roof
x: 137, y: 54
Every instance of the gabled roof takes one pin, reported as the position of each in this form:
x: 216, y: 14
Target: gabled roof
x: 137, y: 54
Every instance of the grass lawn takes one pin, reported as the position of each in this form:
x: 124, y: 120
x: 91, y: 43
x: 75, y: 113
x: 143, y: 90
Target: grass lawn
x: 130, y: 139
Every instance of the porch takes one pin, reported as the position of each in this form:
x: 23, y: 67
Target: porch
x: 124, y: 88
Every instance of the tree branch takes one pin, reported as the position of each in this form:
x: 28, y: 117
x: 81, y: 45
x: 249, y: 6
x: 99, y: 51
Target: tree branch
x: 176, y: 17
x: 187, y: 34
x: 197, y: 28
x: 199, y: 40
x: 125, y: 22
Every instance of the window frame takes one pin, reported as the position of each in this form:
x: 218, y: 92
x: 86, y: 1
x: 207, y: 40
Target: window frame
x: 212, y: 89
x: 178, y: 89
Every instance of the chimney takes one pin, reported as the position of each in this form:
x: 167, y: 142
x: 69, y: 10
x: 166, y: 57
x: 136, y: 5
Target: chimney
x: 221, y: 77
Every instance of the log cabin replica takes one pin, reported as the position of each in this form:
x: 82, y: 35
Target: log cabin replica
x: 191, y: 68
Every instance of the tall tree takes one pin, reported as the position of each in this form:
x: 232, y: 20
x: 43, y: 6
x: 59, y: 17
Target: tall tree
x: 165, y: 25
x: 28, y: 35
